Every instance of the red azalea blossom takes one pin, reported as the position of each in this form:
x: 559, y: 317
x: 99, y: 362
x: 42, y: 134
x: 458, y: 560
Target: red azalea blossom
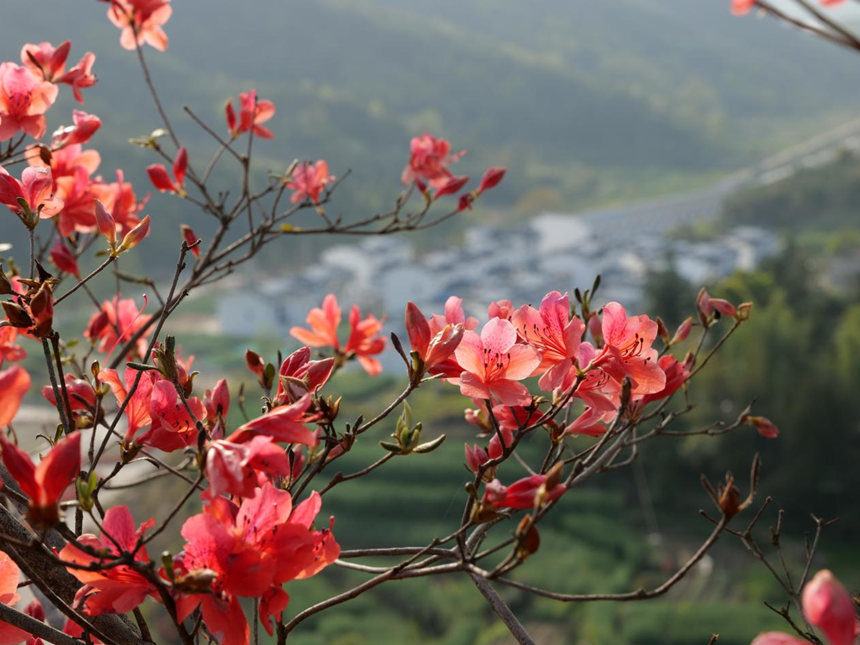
x: 286, y: 424
x: 522, y: 494
x: 9, y: 577
x: 64, y: 259
x: 137, y: 409
x: 80, y: 76
x: 492, y: 177
x: 628, y: 350
x: 323, y: 323
x: 117, y: 589
x: 433, y: 350
x: 143, y: 18
x: 44, y: 484
x: 364, y: 341
x: 85, y: 126
x: 494, y: 363
x: 24, y: 99
x: 35, y: 189
x: 14, y: 383
x: 299, y: 375
x: 115, y: 323
x: 452, y: 185
x: 81, y: 393
x: 249, y: 550
x: 235, y: 468
x: 429, y: 159
x: 190, y: 239
x: 554, y: 333
x: 45, y: 60
x: 9, y: 349
x: 309, y: 180
x: 252, y: 113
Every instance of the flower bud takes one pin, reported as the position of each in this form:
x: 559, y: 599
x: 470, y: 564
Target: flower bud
x: 105, y: 223
x: 135, y: 236
x: 828, y: 606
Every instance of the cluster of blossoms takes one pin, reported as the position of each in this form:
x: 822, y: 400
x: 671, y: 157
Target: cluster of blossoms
x: 250, y: 538
x: 611, y: 377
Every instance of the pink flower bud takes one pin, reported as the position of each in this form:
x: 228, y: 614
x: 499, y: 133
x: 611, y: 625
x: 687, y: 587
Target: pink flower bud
x: 828, y: 606
x: 105, y: 223
x: 683, y: 331
x: 491, y: 178
x: 160, y: 179
x: 417, y: 328
x: 475, y: 457
x: 230, y: 113
x: 190, y: 239
x: 453, y: 185
x: 85, y: 126
x: 180, y: 165
x: 707, y: 305
x: 766, y: 428
x: 135, y: 236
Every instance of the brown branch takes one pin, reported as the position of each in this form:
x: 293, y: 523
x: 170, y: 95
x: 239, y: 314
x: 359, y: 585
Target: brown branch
x: 638, y: 594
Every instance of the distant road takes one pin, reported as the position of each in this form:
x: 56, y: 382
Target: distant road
x: 666, y: 213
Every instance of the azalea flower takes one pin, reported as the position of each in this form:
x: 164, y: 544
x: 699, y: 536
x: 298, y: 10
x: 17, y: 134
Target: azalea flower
x: 9, y: 577
x: 141, y: 22
x: 628, y: 350
x: 362, y: 343
x: 116, y: 321
x: 35, y: 189
x: 248, y: 550
x: 64, y: 259
x: 9, y: 349
x: 252, y: 113
x: 82, y: 400
x: 432, y: 350
x: 554, y: 333
x: 24, y: 99
x: 45, y: 60
x: 429, y: 160
x: 523, y: 494
x: 285, y: 423
x: 136, y: 411
x: 172, y: 427
x: 299, y: 375
x: 14, y: 383
x: 44, y: 484
x: 116, y: 589
x: 323, y: 325
x: 494, y: 362
x: 235, y: 468
x: 80, y: 76
x: 308, y: 181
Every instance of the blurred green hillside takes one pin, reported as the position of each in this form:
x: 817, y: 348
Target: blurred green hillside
x: 585, y: 102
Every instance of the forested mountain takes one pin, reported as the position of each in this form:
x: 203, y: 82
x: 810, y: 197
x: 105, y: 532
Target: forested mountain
x: 585, y: 102
x: 560, y: 89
